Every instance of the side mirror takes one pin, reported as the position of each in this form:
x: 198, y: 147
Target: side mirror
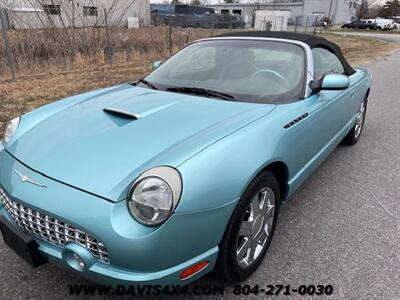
x: 331, y: 82
x: 157, y: 64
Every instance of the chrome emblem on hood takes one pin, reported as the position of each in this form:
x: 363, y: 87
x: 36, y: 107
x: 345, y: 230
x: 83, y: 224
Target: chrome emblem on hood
x: 25, y: 178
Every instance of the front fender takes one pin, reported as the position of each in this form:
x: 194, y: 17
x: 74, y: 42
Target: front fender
x: 220, y: 173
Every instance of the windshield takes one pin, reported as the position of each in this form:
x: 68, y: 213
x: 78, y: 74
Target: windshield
x: 247, y: 70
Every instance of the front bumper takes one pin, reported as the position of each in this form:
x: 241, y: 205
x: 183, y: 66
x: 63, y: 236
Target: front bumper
x: 137, y: 254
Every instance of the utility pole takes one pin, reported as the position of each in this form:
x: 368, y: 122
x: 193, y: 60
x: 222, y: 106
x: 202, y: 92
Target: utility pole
x: 73, y: 29
x: 330, y: 10
x: 109, y: 49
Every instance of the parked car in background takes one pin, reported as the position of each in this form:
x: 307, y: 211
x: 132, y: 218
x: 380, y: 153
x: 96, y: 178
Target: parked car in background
x: 395, y: 25
x: 384, y: 24
x: 369, y: 24
x: 362, y: 24
x: 350, y: 24
x: 397, y: 22
x: 372, y: 24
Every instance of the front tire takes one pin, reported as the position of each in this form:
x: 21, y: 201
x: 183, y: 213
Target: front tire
x: 354, y: 135
x: 250, y: 229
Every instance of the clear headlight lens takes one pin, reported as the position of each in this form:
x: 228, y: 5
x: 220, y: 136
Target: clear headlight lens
x: 151, y: 201
x: 10, y: 130
x: 154, y: 195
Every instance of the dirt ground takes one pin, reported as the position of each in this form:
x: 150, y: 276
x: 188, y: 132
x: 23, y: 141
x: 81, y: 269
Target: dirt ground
x: 31, y: 91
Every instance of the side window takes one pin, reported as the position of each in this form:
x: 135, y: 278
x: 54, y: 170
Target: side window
x: 325, y: 62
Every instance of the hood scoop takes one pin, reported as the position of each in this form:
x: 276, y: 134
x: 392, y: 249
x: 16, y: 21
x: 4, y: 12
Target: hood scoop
x: 121, y: 113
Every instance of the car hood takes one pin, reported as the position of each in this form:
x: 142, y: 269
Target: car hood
x: 87, y: 148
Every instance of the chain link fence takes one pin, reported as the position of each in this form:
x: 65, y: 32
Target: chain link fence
x: 310, y: 24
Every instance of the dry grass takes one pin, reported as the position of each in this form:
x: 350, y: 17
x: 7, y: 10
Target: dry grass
x: 35, y: 89
x: 360, y: 51
x: 36, y: 51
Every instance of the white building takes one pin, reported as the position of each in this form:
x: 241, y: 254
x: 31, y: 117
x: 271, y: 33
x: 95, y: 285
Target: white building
x: 24, y: 14
x: 339, y: 11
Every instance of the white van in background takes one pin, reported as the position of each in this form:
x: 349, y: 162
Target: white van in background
x: 384, y: 24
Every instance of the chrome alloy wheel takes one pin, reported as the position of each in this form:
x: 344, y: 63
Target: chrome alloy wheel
x: 256, y: 227
x: 359, y: 120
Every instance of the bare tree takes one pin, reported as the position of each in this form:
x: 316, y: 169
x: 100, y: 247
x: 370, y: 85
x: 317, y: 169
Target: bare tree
x: 364, y: 7
x: 390, y: 9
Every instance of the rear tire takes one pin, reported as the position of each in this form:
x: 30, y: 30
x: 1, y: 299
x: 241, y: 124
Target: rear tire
x: 246, y: 240
x: 354, y: 135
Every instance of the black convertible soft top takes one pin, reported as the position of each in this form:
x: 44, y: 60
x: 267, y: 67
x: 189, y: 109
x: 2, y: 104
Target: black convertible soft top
x: 312, y: 41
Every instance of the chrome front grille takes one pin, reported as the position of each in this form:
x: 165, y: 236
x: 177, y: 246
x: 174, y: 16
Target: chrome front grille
x: 51, y: 229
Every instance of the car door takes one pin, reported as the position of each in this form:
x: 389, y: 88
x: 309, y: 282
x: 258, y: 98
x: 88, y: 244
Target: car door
x: 329, y: 110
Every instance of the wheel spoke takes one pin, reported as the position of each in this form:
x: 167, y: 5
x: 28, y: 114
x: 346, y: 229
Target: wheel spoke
x: 252, y: 253
x: 264, y: 199
x: 244, y: 247
x: 263, y: 236
x: 268, y: 206
x: 268, y: 209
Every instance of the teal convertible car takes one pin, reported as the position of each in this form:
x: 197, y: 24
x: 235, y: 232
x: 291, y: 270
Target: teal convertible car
x: 182, y: 172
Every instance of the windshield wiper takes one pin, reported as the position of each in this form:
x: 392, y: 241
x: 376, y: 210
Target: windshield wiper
x: 149, y: 84
x: 202, y: 92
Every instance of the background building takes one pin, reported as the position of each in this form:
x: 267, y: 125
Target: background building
x: 339, y: 10
x: 22, y: 14
x: 247, y: 10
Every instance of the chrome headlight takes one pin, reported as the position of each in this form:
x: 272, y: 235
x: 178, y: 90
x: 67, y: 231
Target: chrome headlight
x: 154, y: 196
x: 10, y: 130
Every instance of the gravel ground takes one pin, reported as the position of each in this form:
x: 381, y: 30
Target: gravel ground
x: 341, y: 228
